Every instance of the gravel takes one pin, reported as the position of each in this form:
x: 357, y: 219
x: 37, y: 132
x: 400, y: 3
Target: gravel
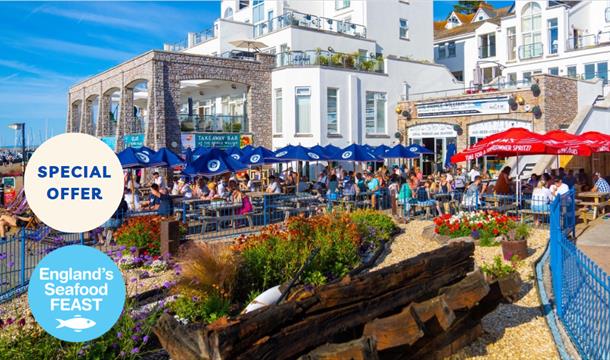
x: 512, y: 331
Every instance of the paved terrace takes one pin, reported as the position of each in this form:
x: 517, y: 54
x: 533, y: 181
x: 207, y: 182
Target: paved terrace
x: 595, y: 242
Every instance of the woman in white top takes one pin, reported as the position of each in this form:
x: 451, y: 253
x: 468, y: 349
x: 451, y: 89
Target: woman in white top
x: 133, y: 203
x: 541, y: 198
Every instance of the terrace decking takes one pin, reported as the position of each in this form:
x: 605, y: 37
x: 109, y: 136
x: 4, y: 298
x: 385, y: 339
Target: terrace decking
x: 595, y: 242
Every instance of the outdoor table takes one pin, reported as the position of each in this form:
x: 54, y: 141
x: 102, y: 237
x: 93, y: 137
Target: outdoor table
x: 596, y: 200
x: 500, y: 202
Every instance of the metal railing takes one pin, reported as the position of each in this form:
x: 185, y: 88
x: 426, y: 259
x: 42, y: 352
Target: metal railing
x: 214, y: 123
x: 487, y: 51
x: 295, y: 18
x: 239, y: 55
x: 21, y: 252
x: 498, y: 84
x: 178, y: 46
x: 581, y: 288
x: 330, y: 59
x: 530, y: 51
x: 203, y: 36
x: 580, y: 42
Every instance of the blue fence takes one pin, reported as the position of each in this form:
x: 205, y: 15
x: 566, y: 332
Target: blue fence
x: 581, y: 288
x: 21, y: 252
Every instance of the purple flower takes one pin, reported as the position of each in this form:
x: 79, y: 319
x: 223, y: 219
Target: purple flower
x: 167, y: 284
x: 122, y: 247
x: 133, y: 280
x: 135, y: 350
x: 3, y: 256
x: 119, y: 335
x: 11, y: 263
x: 135, y: 337
x: 133, y: 249
x: 144, y: 275
x: 145, y: 339
x: 475, y: 234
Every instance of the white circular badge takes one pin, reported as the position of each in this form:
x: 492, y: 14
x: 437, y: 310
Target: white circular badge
x: 73, y: 182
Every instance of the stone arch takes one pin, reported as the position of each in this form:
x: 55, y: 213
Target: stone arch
x: 89, y: 115
x: 76, y: 107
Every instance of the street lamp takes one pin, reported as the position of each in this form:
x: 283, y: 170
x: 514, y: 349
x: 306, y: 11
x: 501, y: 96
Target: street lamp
x: 17, y: 126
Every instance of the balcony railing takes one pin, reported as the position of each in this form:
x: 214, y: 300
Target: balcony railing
x: 588, y: 41
x: 530, y: 51
x: 239, y: 55
x: 179, y: 46
x: 203, y: 36
x: 330, y: 59
x: 294, y: 18
x: 487, y: 52
x: 213, y: 123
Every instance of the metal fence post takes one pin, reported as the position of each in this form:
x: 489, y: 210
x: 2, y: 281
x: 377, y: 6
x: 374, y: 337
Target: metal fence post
x: 556, y: 256
x: 22, y: 258
x: 82, y: 238
x: 265, y: 209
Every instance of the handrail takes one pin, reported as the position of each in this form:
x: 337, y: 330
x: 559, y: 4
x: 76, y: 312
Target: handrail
x: 330, y: 59
x: 531, y: 51
x: 295, y: 18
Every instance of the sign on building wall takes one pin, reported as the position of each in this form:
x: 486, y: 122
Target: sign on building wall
x: 219, y: 140
x: 431, y: 130
x: 486, y: 128
x: 133, y: 140
x: 483, y: 106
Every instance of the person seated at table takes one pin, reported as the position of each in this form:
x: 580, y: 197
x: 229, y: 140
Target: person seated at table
x: 199, y: 189
x: 303, y: 185
x: 374, y: 187
x: 582, y: 180
x: 569, y: 178
x: 393, y: 189
x: 558, y: 188
x: 471, y: 197
x: 541, y: 197
x: 8, y: 221
x: 130, y: 183
x: 333, y: 188
x: 322, y: 178
x: 503, y: 185
x: 405, y: 196
x: 246, y: 184
x: 274, y: 186
x: 184, y: 188
x: 153, y: 201
x: 600, y: 184
x: 350, y: 189
x: 444, y: 186
x: 238, y: 197
x: 221, y: 188
x: 159, y: 180
x: 360, y: 183
x: 132, y: 200
x: 212, y: 194
x: 113, y: 223
x: 162, y: 202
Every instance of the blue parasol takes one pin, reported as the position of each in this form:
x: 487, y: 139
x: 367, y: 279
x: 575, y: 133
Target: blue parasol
x: 235, y: 153
x: 400, y: 152
x: 165, y: 157
x: 213, y: 162
x: 259, y: 156
x: 380, y: 150
x: 330, y: 150
x: 246, y: 150
x: 298, y: 153
x: 355, y: 152
x: 418, y: 149
x: 134, y: 158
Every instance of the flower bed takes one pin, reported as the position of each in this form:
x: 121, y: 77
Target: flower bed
x: 482, y: 225
x: 214, y: 278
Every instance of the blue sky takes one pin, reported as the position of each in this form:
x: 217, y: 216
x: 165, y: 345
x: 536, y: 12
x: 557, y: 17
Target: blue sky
x: 47, y: 46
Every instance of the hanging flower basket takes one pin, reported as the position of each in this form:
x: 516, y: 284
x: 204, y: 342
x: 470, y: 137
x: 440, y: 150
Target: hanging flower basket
x: 535, y: 90
x: 537, y: 112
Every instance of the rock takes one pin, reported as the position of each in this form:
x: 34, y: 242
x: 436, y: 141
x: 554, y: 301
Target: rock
x: 428, y: 232
x: 442, y: 239
x: 461, y: 239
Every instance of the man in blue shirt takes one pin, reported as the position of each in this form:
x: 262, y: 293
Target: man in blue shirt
x: 600, y: 184
x: 373, y: 186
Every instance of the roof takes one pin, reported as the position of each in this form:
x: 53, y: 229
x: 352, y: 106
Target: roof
x: 464, y: 18
x: 463, y: 29
x: 440, y: 25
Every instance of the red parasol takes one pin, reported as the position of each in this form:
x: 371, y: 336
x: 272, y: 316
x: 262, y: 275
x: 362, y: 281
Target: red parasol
x: 597, y: 141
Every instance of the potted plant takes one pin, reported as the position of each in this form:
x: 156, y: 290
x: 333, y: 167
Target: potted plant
x: 514, y: 243
x: 337, y: 59
x: 535, y: 89
x: 505, y: 276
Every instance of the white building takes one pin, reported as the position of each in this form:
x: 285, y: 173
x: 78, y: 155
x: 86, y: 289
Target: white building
x: 509, y: 45
x: 341, y: 66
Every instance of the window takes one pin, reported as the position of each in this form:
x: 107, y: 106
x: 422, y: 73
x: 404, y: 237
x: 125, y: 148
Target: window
x: 375, y: 112
x: 608, y: 14
x: 599, y: 70
x: 527, y: 76
x: 512, y: 78
x: 511, y: 37
x: 278, y: 111
x: 270, y: 21
x: 441, y: 51
x: 553, y: 36
x: 303, y: 110
x: 530, y: 31
x: 228, y: 12
x: 258, y: 11
x: 332, y: 111
x: 571, y: 71
x: 243, y: 4
x: 554, y: 71
x: 487, y: 46
x: 341, y: 4
x: 404, y: 29
x: 459, y: 75
x: 451, y: 49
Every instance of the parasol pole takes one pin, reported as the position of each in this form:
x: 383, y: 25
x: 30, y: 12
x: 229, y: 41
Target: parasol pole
x: 133, y: 191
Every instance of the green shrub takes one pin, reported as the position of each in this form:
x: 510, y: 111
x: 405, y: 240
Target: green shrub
x: 204, y: 310
x: 498, y: 268
x: 373, y: 225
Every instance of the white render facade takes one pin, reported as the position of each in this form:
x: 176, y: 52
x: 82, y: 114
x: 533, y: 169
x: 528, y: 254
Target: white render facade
x: 341, y: 66
x: 534, y: 37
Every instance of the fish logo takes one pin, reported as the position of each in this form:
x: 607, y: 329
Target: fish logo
x: 77, y: 323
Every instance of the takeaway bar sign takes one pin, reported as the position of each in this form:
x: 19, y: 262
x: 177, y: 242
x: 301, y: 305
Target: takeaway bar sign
x: 482, y: 106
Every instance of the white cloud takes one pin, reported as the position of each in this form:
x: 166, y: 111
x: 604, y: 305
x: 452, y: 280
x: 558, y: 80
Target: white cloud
x: 79, y: 50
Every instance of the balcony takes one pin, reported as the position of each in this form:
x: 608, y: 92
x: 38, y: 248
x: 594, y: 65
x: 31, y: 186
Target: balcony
x: 201, y: 37
x: 588, y: 41
x: 330, y: 59
x: 530, y: 51
x: 213, y: 123
x: 294, y: 18
x: 179, y: 46
x: 487, y: 52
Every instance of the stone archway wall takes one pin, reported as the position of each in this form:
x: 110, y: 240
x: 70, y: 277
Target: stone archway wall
x: 164, y: 71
